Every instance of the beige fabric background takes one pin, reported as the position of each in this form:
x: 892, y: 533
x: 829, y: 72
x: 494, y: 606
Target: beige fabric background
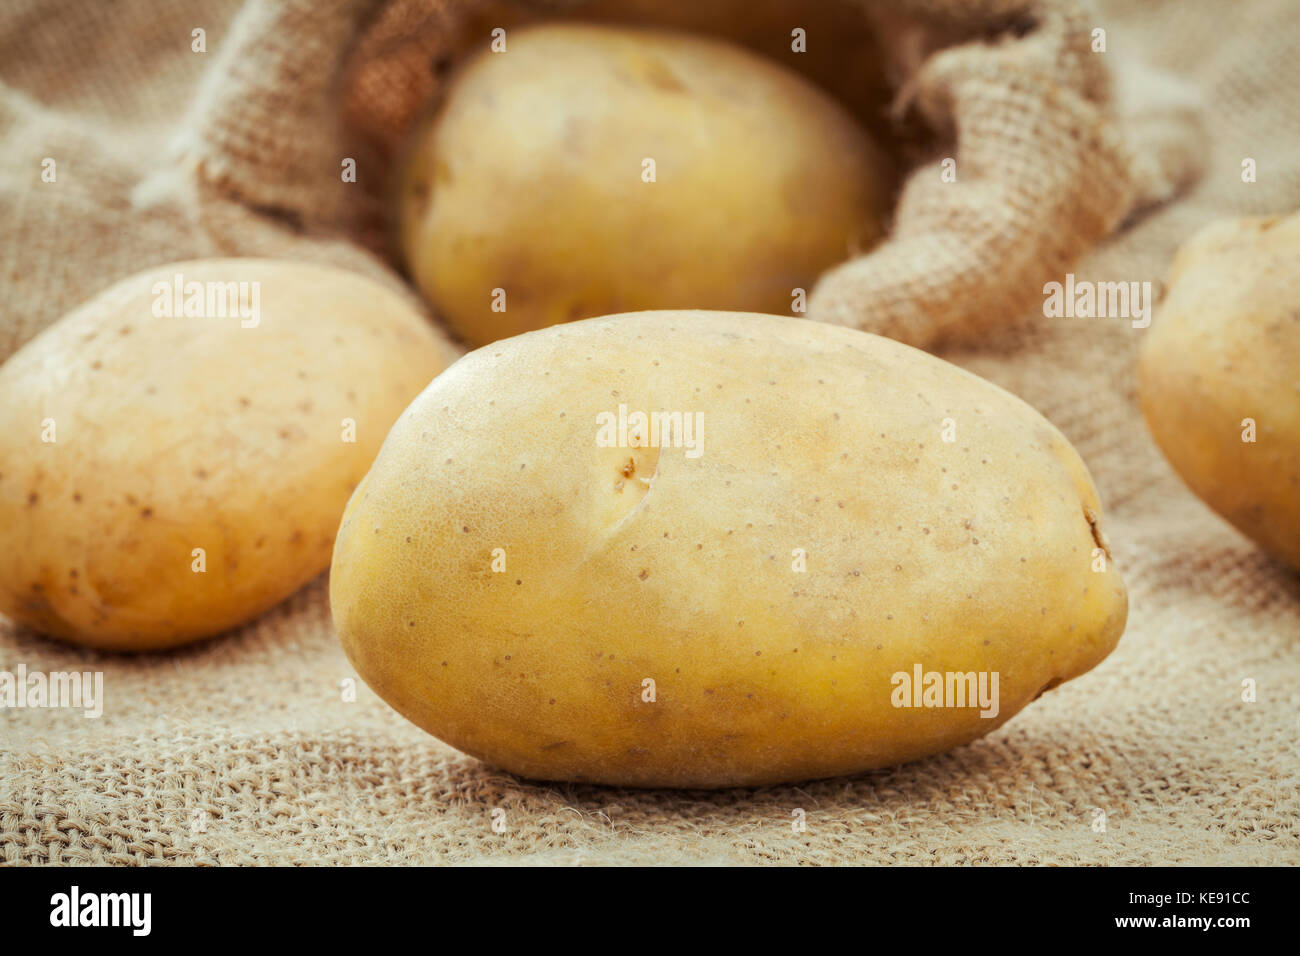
x: 241, y: 750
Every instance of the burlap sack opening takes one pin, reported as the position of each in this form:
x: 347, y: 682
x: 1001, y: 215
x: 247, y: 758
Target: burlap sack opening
x: 1015, y: 96
x: 240, y: 749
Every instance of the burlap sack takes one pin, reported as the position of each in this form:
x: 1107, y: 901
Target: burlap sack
x: 243, y: 749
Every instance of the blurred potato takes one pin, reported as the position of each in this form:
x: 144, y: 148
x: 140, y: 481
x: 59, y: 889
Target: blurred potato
x: 532, y: 574
x: 170, y: 465
x: 1219, y: 375
x: 590, y: 169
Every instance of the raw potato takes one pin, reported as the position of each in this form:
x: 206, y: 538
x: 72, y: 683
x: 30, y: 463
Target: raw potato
x: 530, y: 181
x: 184, y: 433
x: 1226, y: 348
x: 510, y: 585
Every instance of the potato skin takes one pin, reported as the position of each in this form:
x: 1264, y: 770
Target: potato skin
x: 529, y: 180
x: 1225, y: 347
x: 843, y: 54
x: 180, y: 433
x: 970, y: 555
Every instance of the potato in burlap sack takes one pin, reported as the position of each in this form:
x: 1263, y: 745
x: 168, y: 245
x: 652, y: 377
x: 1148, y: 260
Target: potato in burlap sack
x: 1019, y: 154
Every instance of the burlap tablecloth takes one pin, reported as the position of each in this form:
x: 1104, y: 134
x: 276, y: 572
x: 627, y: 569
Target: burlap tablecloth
x: 244, y: 749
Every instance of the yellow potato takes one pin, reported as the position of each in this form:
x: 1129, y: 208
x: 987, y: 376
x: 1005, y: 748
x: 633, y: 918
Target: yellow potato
x: 530, y: 198
x: 172, y: 464
x: 525, y: 580
x: 1219, y: 376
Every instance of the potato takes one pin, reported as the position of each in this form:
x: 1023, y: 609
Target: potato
x: 732, y: 604
x: 526, y: 202
x: 166, y: 476
x: 1219, y: 375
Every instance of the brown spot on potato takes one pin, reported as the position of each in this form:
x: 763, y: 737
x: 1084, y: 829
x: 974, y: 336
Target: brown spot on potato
x: 1050, y: 685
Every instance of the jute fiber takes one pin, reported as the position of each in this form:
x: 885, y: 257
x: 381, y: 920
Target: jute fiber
x: 242, y: 749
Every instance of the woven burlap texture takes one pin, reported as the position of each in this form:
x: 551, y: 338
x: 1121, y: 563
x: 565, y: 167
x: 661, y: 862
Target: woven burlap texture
x: 243, y: 749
